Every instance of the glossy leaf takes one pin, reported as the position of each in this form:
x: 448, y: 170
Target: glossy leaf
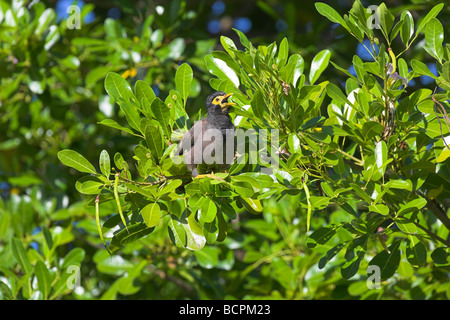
x: 75, y: 160
x: 430, y: 15
x: 162, y: 114
x: 151, y: 214
x: 132, y: 115
x: 43, y: 278
x: 434, y: 37
x: 330, y: 13
x: 183, y: 80
x: 105, y: 163
x: 117, y: 87
x: 220, y: 69
x: 208, y: 211
x: 145, y: 95
x: 113, y: 124
x: 387, y: 262
x: 21, y: 256
x: 381, y: 155
x: 407, y: 30
x: 318, y: 65
x: 421, y: 68
x: 155, y: 142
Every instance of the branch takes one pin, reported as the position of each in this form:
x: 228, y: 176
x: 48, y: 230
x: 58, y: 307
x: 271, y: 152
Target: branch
x: 431, y: 234
x: 161, y: 180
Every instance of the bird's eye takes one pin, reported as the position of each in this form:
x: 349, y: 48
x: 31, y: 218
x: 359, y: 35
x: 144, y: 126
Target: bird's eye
x: 217, y: 99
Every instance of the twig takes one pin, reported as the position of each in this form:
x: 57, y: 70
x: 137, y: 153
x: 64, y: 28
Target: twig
x: 442, y: 112
x: 161, y: 180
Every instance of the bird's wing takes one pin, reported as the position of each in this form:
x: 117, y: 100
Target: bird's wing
x: 188, y: 139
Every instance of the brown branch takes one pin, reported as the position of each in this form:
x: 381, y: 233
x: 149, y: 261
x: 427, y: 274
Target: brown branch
x: 161, y: 180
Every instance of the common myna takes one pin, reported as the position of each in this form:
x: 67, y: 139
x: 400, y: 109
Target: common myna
x: 210, y: 140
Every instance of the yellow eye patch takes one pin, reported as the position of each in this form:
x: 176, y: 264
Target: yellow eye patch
x: 217, y: 100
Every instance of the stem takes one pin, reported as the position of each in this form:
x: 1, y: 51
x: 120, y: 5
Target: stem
x: 357, y: 161
x: 431, y: 234
x: 116, y: 196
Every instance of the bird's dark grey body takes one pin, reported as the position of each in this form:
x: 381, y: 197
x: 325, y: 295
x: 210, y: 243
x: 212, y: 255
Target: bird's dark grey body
x: 210, y: 139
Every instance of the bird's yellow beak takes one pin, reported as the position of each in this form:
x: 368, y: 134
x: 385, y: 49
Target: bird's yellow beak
x: 224, y: 103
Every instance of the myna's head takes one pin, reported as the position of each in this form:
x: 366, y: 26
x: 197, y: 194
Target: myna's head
x: 218, y: 102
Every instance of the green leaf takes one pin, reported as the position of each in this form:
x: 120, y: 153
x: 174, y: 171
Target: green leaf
x: 124, y: 236
x: 88, y: 185
x: 43, y: 278
x: 319, y: 203
x: 5, y: 291
x: 196, y: 239
x: 145, y: 96
x: 329, y: 13
x: 294, y: 143
x: 444, y: 155
x: 421, y: 68
x: 252, y: 205
x: 330, y: 254
x: 407, y: 30
x: 208, y: 257
x: 117, y: 87
x: 113, y: 124
x: 320, y: 236
x: 45, y: 20
x: 21, y: 256
x: 245, y: 60
x: 434, y: 37
x: 177, y: 233
x: 440, y: 256
x: 292, y: 71
x: 228, y: 45
x: 386, y: 20
x: 74, y: 160
x: 258, y: 105
x: 162, y: 113
x: 361, y: 192
x: 381, y: 155
x: 379, y: 208
x: 335, y: 93
x: 208, y: 211
x: 446, y: 71
x: 73, y: 257
x: 283, y: 53
x: 151, y: 214
x: 388, y: 262
x: 120, y: 162
x: 183, y: 80
x: 354, y: 255
x: 105, y: 163
x: 413, y: 205
x: 173, y: 51
x: 132, y: 115
x: 416, y: 253
x: 372, y: 129
x: 220, y: 69
x: 155, y: 141
x: 243, y: 38
x: 430, y: 15
x: 319, y: 64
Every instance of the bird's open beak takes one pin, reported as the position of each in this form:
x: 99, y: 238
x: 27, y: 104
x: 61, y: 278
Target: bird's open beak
x: 225, y: 103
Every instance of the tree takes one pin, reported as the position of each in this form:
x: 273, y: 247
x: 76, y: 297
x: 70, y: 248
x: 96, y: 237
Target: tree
x: 376, y: 151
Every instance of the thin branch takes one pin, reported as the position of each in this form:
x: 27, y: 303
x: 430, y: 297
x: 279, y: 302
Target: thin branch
x: 431, y: 234
x: 161, y: 180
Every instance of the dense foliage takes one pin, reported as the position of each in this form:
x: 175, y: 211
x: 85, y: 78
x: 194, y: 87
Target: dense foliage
x: 355, y: 173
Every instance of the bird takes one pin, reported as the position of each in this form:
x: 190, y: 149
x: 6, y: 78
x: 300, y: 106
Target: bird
x: 210, y: 141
